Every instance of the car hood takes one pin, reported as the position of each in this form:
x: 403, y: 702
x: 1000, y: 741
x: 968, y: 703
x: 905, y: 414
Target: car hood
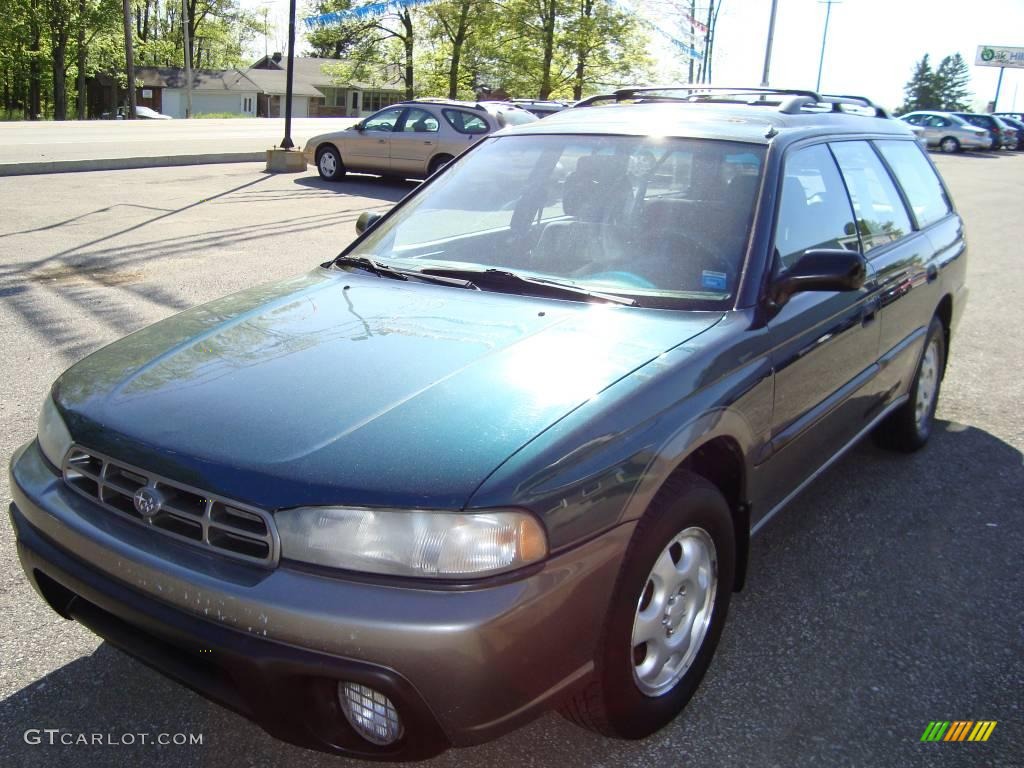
x: 343, y: 387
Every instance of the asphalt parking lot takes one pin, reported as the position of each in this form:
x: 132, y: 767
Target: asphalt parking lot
x: 889, y: 594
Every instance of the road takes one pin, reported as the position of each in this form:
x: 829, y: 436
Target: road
x: 48, y: 141
x: 887, y: 595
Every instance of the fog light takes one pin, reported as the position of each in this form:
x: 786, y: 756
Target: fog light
x: 371, y: 713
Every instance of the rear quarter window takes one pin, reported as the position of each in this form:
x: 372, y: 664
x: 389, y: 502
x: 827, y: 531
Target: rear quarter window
x: 465, y: 122
x: 920, y: 183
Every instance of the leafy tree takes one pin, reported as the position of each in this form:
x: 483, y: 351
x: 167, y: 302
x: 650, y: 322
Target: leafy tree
x: 921, y: 91
x: 951, y: 81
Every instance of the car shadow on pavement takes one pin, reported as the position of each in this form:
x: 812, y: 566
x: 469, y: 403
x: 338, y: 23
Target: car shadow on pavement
x: 882, y: 598
x: 385, y: 188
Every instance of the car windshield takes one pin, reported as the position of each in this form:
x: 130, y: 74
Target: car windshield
x: 664, y: 221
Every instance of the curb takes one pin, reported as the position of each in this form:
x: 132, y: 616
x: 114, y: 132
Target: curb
x: 123, y: 163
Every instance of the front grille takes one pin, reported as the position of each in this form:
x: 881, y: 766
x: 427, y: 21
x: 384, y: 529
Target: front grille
x: 182, y: 512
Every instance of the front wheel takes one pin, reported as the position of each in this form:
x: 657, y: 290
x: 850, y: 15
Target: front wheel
x: 908, y: 428
x: 329, y: 165
x: 667, y: 613
x: 949, y: 145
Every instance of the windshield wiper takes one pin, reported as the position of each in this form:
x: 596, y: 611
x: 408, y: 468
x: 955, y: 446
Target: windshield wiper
x: 502, y: 278
x: 368, y: 264
x: 383, y: 270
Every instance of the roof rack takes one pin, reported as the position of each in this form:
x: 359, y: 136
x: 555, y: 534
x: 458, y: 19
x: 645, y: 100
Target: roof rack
x: 441, y: 100
x: 787, y: 100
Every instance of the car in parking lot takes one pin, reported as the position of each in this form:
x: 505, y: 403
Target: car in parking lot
x: 412, y: 139
x: 1016, y: 124
x: 541, y: 107
x: 507, y: 450
x: 1003, y: 136
x: 949, y: 132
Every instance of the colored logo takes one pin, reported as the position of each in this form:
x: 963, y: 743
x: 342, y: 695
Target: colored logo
x: 987, y: 54
x: 958, y: 730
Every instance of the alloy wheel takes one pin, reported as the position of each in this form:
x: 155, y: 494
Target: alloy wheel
x: 927, y: 385
x: 674, y: 611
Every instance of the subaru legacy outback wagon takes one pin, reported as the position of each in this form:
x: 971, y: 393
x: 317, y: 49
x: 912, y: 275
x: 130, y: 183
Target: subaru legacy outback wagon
x: 505, y: 452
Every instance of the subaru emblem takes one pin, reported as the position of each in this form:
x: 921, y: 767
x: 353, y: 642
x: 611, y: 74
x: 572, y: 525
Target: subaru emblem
x: 148, y: 501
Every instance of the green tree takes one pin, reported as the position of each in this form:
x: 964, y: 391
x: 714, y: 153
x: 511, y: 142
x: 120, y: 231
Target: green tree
x: 952, y: 80
x: 921, y: 90
x: 374, y: 50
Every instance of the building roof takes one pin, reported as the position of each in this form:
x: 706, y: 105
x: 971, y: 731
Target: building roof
x: 312, y: 72
x: 274, y: 81
x: 202, y: 79
x: 265, y: 76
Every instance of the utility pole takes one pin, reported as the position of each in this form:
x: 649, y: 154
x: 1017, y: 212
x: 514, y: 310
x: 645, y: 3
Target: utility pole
x: 286, y: 142
x: 999, y: 86
x: 824, y: 37
x: 129, y: 59
x: 693, y: 37
x: 188, y: 57
x: 768, y: 45
x: 266, y: 43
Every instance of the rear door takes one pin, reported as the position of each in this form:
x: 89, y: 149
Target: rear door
x: 825, y: 344
x: 414, y: 141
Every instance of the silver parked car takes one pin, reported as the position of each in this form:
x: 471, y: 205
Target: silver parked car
x: 412, y: 139
x: 948, y: 132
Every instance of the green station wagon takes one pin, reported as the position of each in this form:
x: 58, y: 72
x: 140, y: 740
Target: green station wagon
x: 506, y: 452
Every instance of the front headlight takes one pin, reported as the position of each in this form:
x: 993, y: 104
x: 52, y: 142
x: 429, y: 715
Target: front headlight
x: 412, y: 542
x: 54, y: 438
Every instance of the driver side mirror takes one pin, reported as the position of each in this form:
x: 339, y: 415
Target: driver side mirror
x: 820, y: 269
x: 358, y: 127
x: 366, y: 220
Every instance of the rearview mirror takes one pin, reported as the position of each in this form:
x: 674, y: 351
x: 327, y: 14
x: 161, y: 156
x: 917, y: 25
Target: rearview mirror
x: 820, y: 269
x: 366, y: 220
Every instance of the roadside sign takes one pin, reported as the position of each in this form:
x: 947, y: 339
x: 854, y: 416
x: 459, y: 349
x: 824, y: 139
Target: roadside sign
x: 999, y: 56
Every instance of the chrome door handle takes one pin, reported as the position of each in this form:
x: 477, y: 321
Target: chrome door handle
x: 429, y: 143
x: 382, y: 141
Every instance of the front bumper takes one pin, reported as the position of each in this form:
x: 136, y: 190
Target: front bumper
x: 462, y: 663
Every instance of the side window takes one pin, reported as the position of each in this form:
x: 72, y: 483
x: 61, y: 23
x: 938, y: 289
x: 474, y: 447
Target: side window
x: 918, y: 179
x: 913, y: 119
x: 939, y: 122
x: 420, y: 121
x: 464, y: 122
x: 814, y: 210
x: 881, y: 216
x: 383, y: 121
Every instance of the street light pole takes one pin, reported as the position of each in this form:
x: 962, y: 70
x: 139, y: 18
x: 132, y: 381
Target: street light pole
x: 824, y: 37
x: 286, y: 142
x: 768, y: 45
x: 186, y: 40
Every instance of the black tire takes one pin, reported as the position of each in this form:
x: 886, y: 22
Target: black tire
x: 329, y: 165
x: 950, y: 145
x: 438, y: 163
x: 903, y: 430
x: 611, y: 702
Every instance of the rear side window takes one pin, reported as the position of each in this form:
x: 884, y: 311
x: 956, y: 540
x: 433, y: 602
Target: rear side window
x: 464, y: 122
x: 917, y: 177
x: 814, y: 211
x: 881, y: 216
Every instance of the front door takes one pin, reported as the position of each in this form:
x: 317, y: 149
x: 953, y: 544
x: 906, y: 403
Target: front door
x: 825, y: 344
x: 370, y: 149
x: 898, y: 254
